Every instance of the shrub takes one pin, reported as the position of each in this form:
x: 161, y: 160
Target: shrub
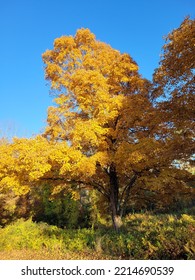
x: 59, y: 209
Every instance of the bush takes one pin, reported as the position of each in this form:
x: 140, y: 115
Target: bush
x: 36, y: 236
x: 163, y: 236
x: 28, y: 235
x: 146, y: 236
x: 59, y: 209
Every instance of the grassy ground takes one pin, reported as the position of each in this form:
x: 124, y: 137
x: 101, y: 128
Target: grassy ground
x: 143, y: 236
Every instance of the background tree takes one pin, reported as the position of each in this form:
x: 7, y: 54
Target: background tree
x: 14, y: 199
x: 174, y: 86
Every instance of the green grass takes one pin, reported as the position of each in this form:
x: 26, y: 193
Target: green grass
x: 142, y: 236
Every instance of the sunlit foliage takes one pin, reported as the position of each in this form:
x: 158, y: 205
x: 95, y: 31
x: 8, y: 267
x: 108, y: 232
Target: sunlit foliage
x: 110, y: 129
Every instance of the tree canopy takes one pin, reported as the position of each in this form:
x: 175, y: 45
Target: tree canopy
x: 175, y: 81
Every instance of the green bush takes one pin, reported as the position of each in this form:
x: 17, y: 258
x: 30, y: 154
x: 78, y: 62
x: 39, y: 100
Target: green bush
x: 59, y: 209
x: 29, y: 235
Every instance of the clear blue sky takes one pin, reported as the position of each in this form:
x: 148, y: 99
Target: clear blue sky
x: 28, y: 28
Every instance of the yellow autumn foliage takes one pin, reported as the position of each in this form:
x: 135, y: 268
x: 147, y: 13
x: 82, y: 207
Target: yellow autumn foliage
x: 105, y: 130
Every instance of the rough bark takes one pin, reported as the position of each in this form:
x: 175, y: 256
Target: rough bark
x: 114, y: 198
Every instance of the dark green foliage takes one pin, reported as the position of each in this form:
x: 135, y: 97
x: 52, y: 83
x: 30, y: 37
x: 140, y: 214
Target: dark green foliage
x: 60, y: 209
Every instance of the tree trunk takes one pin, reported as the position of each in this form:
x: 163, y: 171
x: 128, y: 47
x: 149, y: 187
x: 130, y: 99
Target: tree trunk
x: 117, y: 222
x: 114, y: 198
x: 125, y: 195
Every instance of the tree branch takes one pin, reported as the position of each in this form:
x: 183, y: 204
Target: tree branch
x: 95, y: 185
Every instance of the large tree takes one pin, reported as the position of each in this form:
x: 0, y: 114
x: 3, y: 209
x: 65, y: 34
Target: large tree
x: 107, y: 115
x: 102, y: 107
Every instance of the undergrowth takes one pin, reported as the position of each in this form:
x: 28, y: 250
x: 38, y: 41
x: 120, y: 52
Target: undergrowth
x: 142, y: 236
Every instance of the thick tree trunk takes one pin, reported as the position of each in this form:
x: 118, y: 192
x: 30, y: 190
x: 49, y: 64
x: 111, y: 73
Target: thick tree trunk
x: 125, y: 195
x: 114, y: 198
x: 117, y: 222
